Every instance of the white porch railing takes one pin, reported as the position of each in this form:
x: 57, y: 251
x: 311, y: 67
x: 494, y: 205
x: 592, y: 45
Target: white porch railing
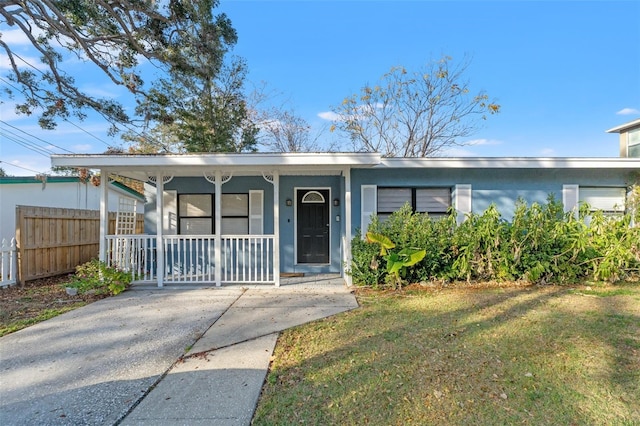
x: 191, y: 258
x: 8, y: 263
x: 247, y: 258
x: 133, y: 253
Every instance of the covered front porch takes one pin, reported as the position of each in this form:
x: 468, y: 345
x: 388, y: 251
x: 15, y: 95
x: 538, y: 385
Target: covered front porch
x: 226, y: 219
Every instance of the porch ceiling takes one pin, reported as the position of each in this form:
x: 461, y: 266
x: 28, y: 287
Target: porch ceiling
x: 141, y: 166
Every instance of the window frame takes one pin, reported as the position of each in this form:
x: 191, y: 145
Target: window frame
x: 414, y: 199
x: 247, y: 217
x: 180, y: 216
x: 223, y: 216
x: 635, y: 144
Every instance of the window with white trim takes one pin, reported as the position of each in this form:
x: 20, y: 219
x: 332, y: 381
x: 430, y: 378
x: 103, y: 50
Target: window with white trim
x: 241, y: 214
x: 195, y: 214
x: 433, y: 201
x: 611, y: 200
x: 235, y: 214
x: 633, y: 143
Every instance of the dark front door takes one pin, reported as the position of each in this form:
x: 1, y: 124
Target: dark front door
x: 313, y: 225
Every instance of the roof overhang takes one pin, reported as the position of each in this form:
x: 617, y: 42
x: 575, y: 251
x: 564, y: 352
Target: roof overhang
x: 512, y: 163
x: 141, y: 166
x: 626, y: 126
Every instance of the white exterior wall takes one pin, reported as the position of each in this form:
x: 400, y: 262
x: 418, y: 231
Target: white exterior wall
x: 69, y: 195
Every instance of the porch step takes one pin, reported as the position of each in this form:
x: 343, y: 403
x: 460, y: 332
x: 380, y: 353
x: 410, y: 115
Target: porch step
x: 291, y: 274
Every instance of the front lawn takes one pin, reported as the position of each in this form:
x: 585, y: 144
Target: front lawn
x: 487, y: 356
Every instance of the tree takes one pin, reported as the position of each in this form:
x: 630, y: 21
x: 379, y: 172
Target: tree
x: 413, y: 114
x: 284, y: 131
x: 179, y: 37
x: 157, y: 140
x: 3, y: 173
x: 206, y: 113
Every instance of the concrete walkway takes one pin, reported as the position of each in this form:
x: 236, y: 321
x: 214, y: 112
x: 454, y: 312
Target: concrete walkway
x: 122, y: 360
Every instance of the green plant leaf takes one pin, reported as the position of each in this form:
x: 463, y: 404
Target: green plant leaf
x: 412, y: 256
x: 384, y: 241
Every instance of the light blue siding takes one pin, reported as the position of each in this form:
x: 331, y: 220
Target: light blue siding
x: 503, y: 187
x: 196, y: 185
x: 242, y: 184
x: 288, y: 184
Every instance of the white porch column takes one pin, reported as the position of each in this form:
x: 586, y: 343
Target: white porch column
x: 218, y: 228
x: 276, y: 228
x: 347, y: 226
x: 159, y: 229
x: 104, y: 215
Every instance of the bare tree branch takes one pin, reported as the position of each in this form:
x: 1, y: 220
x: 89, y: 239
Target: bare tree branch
x: 415, y: 114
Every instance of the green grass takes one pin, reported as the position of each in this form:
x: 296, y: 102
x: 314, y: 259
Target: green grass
x: 535, y: 355
x: 16, y: 325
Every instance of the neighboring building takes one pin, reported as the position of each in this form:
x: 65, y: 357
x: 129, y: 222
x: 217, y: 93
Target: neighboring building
x: 247, y: 218
x: 55, y: 191
x: 629, y: 138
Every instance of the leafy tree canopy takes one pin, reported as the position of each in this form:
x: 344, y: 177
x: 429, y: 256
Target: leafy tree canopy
x: 205, y: 113
x: 181, y: 38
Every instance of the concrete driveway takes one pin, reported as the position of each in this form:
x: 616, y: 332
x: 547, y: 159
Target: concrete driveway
x: 122, y: 360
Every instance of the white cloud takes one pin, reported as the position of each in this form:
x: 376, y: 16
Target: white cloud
x: 548, y: 152
x: 477, y: 142
x: 328, y: 115
x: 8, y: 112
x: 457, y: 152
x: 628, y: 111
x: 366, y: 111
x: 16, y: 37
x: 25, y: 62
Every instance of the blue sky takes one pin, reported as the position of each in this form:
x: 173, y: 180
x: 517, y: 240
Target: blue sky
x: 562, y: 71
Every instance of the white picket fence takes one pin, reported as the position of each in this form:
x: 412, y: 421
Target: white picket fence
x: 8, y: 263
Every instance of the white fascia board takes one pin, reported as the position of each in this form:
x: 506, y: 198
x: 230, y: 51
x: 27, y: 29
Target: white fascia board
x: 511, y: 163
x: 625, y: 126
x: 123, y: 161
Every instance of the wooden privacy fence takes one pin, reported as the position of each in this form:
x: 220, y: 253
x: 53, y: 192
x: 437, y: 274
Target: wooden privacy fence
x: 53, y: 241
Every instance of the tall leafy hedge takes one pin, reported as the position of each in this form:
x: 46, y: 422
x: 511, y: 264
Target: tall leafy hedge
x: 541, y: 244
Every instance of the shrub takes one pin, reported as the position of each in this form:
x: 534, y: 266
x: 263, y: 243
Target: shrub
x: 615, y: 247
x: 362, y: 255
x: 398, y: 261
x: 478, y: 246
x: 408, y: 230
x: 541, y: 244
x: 97, y: 276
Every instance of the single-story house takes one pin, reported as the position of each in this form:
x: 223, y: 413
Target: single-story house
x: 248, y: 218
x: 56, y: 191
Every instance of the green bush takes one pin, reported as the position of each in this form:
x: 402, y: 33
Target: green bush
x: 408, y: 230
x: 541, y: 244
x: 361, y: 271
x: 97, y: 276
